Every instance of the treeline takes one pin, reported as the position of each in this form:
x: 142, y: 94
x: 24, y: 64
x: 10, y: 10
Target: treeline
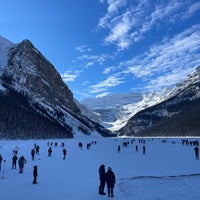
x: 19, y: 121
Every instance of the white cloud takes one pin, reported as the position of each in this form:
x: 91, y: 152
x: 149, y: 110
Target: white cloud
x: 70, y: 76
x: 120, y: 32
x: 192, y: 9
x: 103, y: 86
x: 104, y: 94
x: 83, y: 48
x: 168, y: 79
x: 93, y: 59
x: 114, y: 5
x: 113, y: 8
x: 132, y: 24
x: 168, y: 62
x: 108, y: 70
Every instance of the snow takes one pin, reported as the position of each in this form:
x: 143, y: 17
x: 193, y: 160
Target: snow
x: 167, y: 170
x: 2, y: 88
x: 4, y: 48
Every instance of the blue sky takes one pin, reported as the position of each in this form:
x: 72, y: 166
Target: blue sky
x: 102, y: 47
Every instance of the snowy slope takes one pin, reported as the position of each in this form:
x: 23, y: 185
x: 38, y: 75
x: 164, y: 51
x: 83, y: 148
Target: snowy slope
x: 116, y: 110
x: 5, y: 45
x: 129, y: 110
x: 167, y: 170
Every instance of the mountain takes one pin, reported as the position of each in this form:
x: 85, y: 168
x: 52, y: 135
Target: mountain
x: 113, y: 111
x: 108, y: 108
x: 176, y: 115
x: 34, y: 100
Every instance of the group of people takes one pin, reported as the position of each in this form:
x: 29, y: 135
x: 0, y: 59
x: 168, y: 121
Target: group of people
x: 107, y: 178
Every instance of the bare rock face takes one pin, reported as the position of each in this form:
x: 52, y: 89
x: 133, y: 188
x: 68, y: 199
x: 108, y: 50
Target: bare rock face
x: 34, y: 74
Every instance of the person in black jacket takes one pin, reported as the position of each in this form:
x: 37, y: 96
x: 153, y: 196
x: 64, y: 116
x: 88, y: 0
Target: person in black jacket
x: 1, y: 158
x: 102, y: 177
x: 14, y: 161
x: 196, y: 150
x: 64, y: 153
x: 110, y: 181
x: 35, y: 174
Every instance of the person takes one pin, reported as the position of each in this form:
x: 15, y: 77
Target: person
x: 64, y: 153
x: 1, y: 158
x: 49, y: 151
x: 118, y: 149
x: 136, y: 148
x: 110, y: 181
x: 14, y: 161
x: 102, y: 177
x: 35, y: 174
x: 37, y: 150
x: 144, y: 149
x: 21, y: 163
x: 196, y: 150
x: 33, y: 154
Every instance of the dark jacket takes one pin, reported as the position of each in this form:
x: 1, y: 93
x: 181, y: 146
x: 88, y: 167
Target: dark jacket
x: 14, y: 158
x: 110, y: 178
x: 21, y: 162
x: 35, y: 173
x: 102, y: 173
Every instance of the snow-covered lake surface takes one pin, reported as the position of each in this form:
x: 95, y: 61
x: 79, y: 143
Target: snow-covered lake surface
x: 167, y: 171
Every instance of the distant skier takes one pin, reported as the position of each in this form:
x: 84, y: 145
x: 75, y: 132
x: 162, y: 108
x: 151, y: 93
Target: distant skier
x: 64, y: 153
x: 35, y: 174
x: 1, y: 158
x: 196, y: 150
x: 102, y: 177
x: 110, y: 181
x: 21, y: 163
x: 14, y: 161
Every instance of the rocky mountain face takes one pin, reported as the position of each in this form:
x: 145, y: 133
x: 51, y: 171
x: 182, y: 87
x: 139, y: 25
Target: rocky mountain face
x: 34, y: 100
x: 177, y: 115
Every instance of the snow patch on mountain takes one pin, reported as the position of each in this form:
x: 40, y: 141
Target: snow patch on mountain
x: 129, y: 110
x: 5, y: 45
